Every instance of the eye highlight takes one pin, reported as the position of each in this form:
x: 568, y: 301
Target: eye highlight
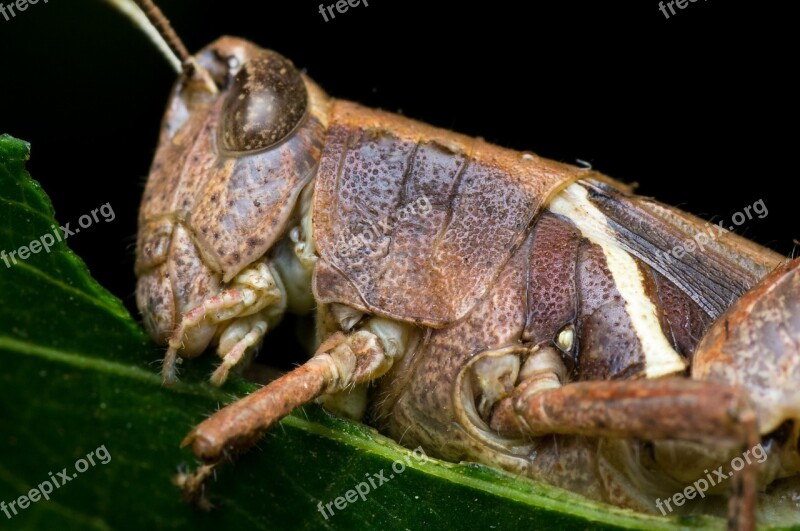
x: 267, y: 100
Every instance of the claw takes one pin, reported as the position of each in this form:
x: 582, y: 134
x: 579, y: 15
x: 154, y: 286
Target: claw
x: 189, y: 439
x: 193, y: 486
x: 220, y: 376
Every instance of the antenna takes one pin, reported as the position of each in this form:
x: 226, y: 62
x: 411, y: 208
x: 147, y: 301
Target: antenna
x: 151, y: 20
x: 157, y: 19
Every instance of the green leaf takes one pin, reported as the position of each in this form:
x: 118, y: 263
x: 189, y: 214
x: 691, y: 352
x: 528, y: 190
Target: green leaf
x: 78, y: 375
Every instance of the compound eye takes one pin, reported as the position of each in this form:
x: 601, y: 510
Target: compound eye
x: 266, y: 102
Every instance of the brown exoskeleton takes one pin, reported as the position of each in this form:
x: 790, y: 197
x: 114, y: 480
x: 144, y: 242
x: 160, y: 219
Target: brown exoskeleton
x: 486, y: 304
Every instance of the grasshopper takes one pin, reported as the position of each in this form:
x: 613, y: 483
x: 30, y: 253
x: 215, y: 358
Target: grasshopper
x: 480, y: 303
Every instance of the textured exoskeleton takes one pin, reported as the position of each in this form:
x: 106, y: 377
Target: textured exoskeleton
x: 486, y: 304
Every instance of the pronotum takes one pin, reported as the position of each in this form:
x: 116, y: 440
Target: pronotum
x: 488, y: 305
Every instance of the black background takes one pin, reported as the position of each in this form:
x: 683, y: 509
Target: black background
x: 699, y: 109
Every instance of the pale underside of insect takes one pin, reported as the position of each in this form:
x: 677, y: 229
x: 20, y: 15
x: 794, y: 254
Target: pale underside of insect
x: 486, y: 304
